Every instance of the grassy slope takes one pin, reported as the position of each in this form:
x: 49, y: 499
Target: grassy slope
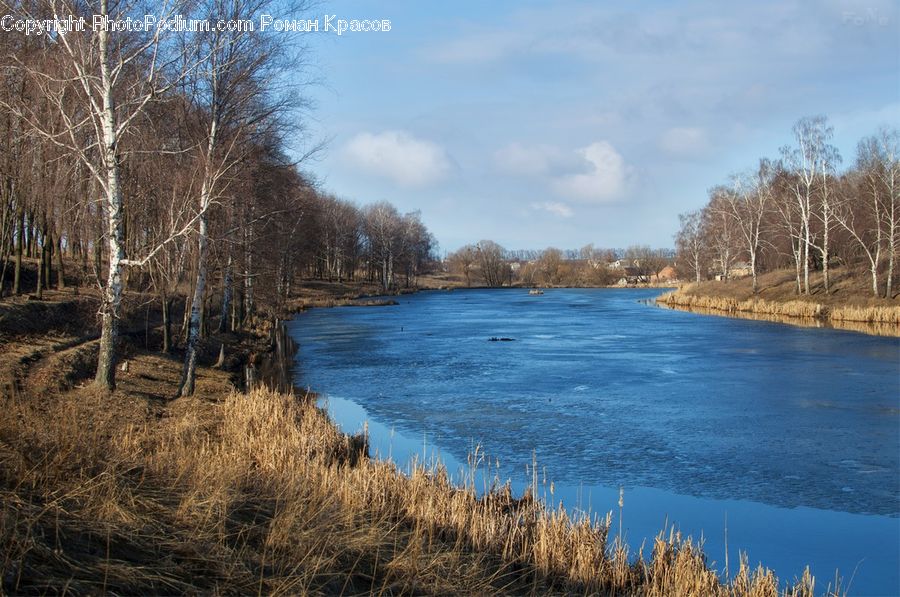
x: 223, y: 492
x: 781, y: 286
x: 849, y: 304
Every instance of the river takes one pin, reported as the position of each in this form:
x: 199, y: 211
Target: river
x: 784, y: 439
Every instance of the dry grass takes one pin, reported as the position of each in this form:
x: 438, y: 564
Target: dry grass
x: 260, y: 493
x: 729, y: 305
x: 848, y: 306
x: 313, y: 303
x: 876, y: 314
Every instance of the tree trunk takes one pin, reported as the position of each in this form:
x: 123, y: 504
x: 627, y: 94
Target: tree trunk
x: 873, y: 266
x: 247, y: 297
x: 60, y: 272
x: 237, y: 312
x: 47, y: 254
x: 226, y: 296
x: 892, y: 250
x: 192, y: 351
x: 806, y: 243
x: 166, y: 323
x: 29, y: 237
x: 20, y: 247
x: 753, y: 272
x: 204, y: 319
x: 98, y: 258
x: 39, y: 291
x: 112, y: 299
x: 198, y: 305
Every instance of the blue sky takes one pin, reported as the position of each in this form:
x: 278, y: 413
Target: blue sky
x: 563, y: 123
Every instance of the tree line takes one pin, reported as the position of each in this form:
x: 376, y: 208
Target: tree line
x: 802, y: 211
x: 486, y: 263
x: 160, y: 162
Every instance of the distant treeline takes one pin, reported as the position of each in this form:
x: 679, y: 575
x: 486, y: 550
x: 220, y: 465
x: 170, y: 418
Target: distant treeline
x: 802, y: 211
x: 488, y: 264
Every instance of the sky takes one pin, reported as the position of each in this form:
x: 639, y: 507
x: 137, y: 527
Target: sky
x: 539, y: 124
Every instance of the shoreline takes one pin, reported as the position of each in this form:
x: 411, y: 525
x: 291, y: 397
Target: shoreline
x: 870, y: 320
x: 266, y: 437
x: 388, y: 452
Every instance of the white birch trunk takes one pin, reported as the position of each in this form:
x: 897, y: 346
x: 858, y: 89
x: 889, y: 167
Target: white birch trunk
x: 192, y: 351
x: 112, y: 299
x: 892, y: 228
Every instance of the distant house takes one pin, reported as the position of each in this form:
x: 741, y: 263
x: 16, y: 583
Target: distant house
x: 667, y: 274
x: 738, y: 270
x: 631, y: 275
x: 622, y: 263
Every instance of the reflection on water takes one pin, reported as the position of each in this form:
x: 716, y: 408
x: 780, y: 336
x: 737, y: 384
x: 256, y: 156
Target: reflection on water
x: 864, y: 327
x: 786, y: 538
x: 793, y: 432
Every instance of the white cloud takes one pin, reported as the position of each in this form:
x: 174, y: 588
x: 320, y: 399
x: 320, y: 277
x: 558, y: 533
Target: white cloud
x: 537, y: 160
x: 684, y: 142
x: 554, y: 207
x: 399, y: 157
x: 605, y: 179
x: 593, y: 174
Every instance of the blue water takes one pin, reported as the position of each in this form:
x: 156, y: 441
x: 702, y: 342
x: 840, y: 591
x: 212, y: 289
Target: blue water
x: 790, y: 434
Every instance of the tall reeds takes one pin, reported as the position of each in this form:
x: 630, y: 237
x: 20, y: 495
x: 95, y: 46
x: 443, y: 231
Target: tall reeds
x: 801, y: 309
x: 260, y: 493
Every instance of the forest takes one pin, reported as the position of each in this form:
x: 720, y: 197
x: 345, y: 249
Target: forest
x: 803, y: 212
x: 171, y: 164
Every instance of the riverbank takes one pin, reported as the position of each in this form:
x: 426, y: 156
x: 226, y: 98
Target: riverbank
x: 849, y: 305
x: 132, y: 492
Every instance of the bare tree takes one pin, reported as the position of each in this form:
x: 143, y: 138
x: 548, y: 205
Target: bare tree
x: 747, y: 205
x: 491, y: 263
x: 462, y: 260
x: 791, y: 222
x: 236, y: 71
x: 811, y: 162
x: 872, y: 221
x: 889, y: 157
x: 98, y: 86
x: 382, y: 226
x: 827, y: 204
x: 719, y: 230
x: 690, y: 242
x: 549, y: 264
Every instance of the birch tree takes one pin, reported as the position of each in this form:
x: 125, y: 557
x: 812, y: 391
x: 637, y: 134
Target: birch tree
x: 747, y: 205
x: 791, y: 222
x: 719, y: 230
x: 100, y: 83
x: 872, y: 220
x: 382, y: 226
x: 234, y: 75
x: 811, y: 162
x: 690, y: 242
x: 827, y: 204
x: 888, y: 151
